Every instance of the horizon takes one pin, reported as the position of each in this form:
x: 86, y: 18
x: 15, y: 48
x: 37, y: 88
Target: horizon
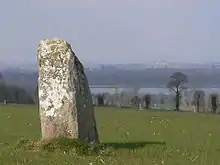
x: 33, y: 65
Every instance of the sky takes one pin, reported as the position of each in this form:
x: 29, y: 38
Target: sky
x: 113, y: 31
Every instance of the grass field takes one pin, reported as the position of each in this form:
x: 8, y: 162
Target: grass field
x: 138, y: 138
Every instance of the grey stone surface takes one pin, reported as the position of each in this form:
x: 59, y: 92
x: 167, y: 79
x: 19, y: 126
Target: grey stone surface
x: 209, y: 102
x: 199, y: 101
x: 65, y: 101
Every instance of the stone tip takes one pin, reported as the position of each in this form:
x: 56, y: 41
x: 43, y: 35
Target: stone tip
x: 53, y: 44
x: 54, y: 40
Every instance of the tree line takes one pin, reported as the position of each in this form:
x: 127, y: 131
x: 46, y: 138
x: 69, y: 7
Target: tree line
x: 18, y: 95
x: 14, y: 94
x: 177, y: 84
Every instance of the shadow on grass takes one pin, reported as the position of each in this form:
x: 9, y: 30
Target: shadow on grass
x: 132, y: 145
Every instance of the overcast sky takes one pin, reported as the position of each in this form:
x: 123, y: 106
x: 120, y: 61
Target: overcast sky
x: 113, y: 31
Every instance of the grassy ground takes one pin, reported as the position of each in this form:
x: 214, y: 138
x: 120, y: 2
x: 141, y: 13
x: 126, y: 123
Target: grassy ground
x: 138, y: 138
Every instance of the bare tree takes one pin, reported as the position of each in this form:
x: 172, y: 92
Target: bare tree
x: 177, y: 85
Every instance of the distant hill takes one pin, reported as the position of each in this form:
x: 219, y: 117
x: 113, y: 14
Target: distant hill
x: 149, y: 77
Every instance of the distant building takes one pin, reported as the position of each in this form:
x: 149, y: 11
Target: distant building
x: 161, y: 64
x: 216, y: 66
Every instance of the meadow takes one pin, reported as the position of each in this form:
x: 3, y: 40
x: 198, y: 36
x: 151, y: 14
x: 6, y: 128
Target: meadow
x: 133, y: 138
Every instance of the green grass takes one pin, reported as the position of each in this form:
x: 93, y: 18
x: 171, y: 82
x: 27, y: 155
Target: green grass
x: 137, y: 138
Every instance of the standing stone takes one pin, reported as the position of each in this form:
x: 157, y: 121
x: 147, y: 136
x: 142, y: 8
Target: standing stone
x: 65, y: 101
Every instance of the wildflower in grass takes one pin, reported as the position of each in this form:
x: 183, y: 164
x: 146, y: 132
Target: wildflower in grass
x: 126, y: 135
x: 156, y: 133
x: 193, y: 158
x: 184, y: 131
x: 101, y: 160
